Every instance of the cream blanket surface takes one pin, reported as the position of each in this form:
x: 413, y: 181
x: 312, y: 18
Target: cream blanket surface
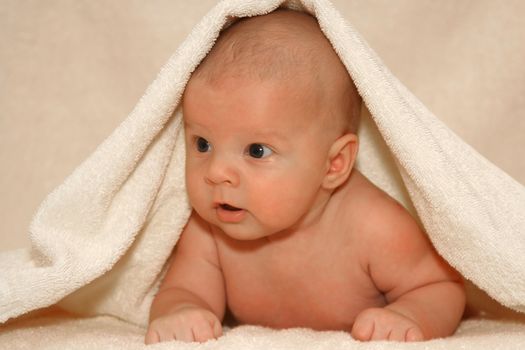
x: 101, y: 240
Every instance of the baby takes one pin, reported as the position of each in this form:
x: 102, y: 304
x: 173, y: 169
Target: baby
x: 284, y: 232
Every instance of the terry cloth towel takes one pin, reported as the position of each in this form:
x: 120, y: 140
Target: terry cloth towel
x: 101, y: 240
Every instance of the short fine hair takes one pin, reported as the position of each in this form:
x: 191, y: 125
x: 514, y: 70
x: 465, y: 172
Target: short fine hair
x: 282, y: 45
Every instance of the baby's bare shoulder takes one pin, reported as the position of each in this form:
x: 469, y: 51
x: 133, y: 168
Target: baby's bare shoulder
x: 392, y: 245
x: 374, y: 209
x: 383, y: 225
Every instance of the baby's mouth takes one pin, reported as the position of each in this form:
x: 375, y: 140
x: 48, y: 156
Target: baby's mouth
x: 229, y: 207
x: 229, y: 214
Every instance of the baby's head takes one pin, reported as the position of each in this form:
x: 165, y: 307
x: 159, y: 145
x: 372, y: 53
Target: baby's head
x: 270, y: 120
x: 286, y: 47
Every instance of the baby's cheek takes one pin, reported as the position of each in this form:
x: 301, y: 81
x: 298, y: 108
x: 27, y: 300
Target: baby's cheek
x: 190, y: 187
x: 282, y: 204
x: 194, y: 192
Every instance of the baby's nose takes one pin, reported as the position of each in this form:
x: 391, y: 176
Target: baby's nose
x: 222, y: 171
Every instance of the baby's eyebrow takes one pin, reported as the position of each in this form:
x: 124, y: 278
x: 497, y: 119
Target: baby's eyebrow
x: 193, y: 124
x: 270, y: 134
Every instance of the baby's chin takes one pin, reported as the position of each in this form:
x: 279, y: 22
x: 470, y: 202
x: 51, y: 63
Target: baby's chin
x: 245, y: 230
x: 241, y: 232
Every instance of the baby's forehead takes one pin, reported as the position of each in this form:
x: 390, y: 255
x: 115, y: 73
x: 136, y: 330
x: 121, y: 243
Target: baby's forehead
x: 281, y: 44
x: 270, y: 105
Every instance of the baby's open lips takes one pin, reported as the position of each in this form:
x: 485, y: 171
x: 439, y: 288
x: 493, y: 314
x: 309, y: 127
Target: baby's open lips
x: 228, y: 207
x: 228, y: 214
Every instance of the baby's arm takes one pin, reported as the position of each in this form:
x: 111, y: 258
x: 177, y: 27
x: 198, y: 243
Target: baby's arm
x: 190, y: 303
x: 425, y: 296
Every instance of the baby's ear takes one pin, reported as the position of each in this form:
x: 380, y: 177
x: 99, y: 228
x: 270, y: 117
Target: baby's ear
x: 341, y: 158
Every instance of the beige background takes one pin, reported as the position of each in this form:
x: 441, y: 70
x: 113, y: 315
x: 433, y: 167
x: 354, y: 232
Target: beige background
x: 70, y: 72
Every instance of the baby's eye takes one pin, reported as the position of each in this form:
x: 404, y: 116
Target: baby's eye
x: 203, y: 145
x: 257, y: 150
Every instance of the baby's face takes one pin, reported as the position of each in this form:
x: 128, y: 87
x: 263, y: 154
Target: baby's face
x: 256, y: 155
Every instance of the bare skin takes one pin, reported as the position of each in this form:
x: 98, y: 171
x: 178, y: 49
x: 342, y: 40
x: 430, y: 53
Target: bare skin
x: 285, y: 233
x: 381, y: 279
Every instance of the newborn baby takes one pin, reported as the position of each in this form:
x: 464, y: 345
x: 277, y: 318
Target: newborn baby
x: 284, y: 232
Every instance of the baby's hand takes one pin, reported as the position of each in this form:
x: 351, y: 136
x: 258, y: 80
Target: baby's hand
x: 187, y: 324
x: 385, y: 324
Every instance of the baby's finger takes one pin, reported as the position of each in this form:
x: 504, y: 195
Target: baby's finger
x: 398, y: 334
x: 363, y: 329
x: 202, y: 332
x: 414, y: 334
x: 184, y: 334
x: 165, y: 335
x: 381, y: 332
x: 217, y: 328
x: 152, y: 337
